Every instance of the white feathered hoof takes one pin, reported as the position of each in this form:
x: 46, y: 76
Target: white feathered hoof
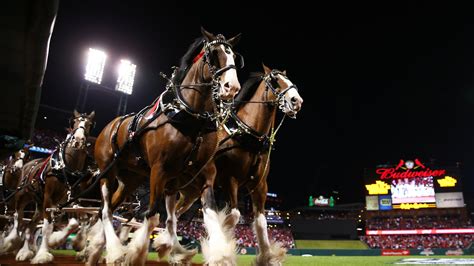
x: 162, y: 244
x: 24, y: 254
x: 42, y: 257
x: 181, y: 256
x: 163, y: 250
x: 219, y: 248
x: 11, y: 243
x: 231, y: 220
x: 274, y: 257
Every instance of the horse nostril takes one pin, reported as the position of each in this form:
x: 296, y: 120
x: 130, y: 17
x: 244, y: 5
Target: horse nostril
x: 293, y: 99
x: 227, y: 85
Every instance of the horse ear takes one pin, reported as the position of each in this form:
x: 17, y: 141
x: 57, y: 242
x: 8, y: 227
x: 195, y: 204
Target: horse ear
x: 284, y: 72
x: 234, y: 40
x: 266, y: 69
x: 76, y: 113
x: 207, y: 35
x: 92, y: 114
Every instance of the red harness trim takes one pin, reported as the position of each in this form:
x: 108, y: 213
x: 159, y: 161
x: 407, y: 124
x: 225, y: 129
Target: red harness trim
x: 154, y: 108
x: 198, y: 56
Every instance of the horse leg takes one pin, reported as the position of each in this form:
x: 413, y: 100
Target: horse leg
x: 219, y: 247
x: 233, y: 217
x: 167, y: 242
x: 13, y: 241
x: 91, y: 254
x: 115, y: 250
x: 186, y: 200
x: 270, y: 253
x: 25, y: 253
x: 43, y: 255
x: 59, y: 237
x: 137, y: 249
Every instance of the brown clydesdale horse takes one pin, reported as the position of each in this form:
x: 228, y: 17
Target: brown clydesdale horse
x: 169, y: 143
x: 48, y: 182
x: 243, y: 159
x: 12, y: 171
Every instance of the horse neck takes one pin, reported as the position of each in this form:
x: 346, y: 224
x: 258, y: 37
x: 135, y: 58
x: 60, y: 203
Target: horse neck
x: 199, y: 97
x: 259, y: 116
x: 74, y: 159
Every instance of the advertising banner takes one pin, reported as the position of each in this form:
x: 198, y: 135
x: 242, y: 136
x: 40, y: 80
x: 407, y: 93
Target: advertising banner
x: 385, y: 202
x: 395, y: 252
x: 449, y: 200
x: 372, y: 203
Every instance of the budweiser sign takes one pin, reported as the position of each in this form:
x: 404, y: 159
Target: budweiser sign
x: 408, y: 169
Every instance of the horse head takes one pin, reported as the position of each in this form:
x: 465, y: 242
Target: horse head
x: 221, y: 63
x: 285, y: 92
x: 19, y: 159
x: 75, y: 145
x: 80, y: 126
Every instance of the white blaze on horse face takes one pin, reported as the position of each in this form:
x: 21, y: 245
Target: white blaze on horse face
x: 229, y: 82
x: 22, y: 154
x: 80, y: 132
x: 19, y: 162
x: 291, y: 94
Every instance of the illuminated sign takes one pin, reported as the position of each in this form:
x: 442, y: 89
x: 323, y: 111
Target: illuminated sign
x: 372, y: 203
x: 379, y: 188
x: 385, y: 202
x: 415, y: 206
x: 449, y: 200
x: 321, y: 201
x: 421, y: 231
x: 447, y: 181
x: 408, y: 169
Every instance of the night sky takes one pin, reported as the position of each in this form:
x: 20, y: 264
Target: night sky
x: 381, y: 82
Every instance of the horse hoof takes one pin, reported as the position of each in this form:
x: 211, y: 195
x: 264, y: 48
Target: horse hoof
x: 163, y: 250
x: 24, y: 255
x: 182, y: 256
x: 41, y: 258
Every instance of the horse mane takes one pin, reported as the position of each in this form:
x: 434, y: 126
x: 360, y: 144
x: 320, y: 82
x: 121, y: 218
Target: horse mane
x: 187, y: 59
x: 248, y: 89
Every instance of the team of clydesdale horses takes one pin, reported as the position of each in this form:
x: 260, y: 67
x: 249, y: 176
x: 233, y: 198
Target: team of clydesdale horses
x: 194, y: 136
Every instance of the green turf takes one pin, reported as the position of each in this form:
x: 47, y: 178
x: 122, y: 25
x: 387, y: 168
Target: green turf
x: 330, y: 244
x: 244, y: 260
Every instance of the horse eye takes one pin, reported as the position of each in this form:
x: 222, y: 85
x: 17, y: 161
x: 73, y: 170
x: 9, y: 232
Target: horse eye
x: 227, y: 50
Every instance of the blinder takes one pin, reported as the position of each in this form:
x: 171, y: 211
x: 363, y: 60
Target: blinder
x: 239, y: 61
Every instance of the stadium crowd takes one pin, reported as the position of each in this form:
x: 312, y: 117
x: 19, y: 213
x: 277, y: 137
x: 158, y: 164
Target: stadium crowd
x: 243, y: 233
x: 422, y: 222
x: 419, y: 241
x: 47, y: 138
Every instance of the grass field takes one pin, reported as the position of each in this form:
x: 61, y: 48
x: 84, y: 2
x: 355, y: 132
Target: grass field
x: 330, y: 244
x: 244, y: 260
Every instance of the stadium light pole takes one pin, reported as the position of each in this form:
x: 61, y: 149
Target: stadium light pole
x: 93, y: 75
x: 125, y: 80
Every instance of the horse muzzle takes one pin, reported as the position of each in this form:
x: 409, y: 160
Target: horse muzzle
x: 228, y: 90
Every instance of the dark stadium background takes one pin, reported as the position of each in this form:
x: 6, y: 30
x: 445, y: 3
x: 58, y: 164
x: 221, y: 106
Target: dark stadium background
x: 380, y: 81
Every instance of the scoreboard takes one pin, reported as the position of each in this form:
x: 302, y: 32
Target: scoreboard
x: 412, y: 184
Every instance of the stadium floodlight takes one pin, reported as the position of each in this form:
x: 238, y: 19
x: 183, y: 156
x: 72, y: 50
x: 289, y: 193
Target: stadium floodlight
x: 126, y: 76
x: 95, y: 66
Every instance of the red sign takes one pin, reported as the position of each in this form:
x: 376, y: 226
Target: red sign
x: 395, y: 252
x: 408, y: 169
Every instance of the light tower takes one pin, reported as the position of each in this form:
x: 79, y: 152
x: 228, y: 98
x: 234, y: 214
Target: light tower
x: 126, y: 77
x: 93, y: 77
